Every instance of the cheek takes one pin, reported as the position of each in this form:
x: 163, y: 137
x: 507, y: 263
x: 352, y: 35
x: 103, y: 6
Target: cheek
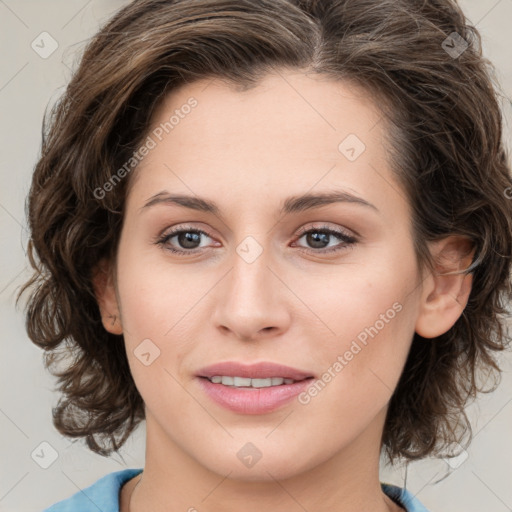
x: 157, y: 298
x: 159, y: 306
x: 360, y: 371
x: 364, y: 301
x: 372, y: 311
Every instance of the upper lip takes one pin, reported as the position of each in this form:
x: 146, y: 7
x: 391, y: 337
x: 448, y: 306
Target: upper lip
x: 262, y: 370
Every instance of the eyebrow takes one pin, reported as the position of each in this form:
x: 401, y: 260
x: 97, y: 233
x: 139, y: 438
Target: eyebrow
x: 293, y: 204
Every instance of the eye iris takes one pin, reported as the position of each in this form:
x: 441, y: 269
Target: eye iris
x: 188, y: 239
x: 316, y: 238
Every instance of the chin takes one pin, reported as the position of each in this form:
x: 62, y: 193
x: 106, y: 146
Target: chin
x: 261, y: 472
x: 272, y: 463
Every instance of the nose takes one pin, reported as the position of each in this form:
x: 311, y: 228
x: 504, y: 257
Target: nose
x: 252, y: 301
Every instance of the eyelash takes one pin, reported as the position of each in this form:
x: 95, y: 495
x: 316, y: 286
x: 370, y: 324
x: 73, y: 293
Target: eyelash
x: 348, y: 241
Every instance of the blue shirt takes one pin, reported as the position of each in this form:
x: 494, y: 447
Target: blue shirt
x: 103, y: 495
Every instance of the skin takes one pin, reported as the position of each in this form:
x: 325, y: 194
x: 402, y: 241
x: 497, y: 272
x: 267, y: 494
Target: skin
x: 295, y: 304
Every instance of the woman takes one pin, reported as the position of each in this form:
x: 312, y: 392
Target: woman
x: 278, y: 231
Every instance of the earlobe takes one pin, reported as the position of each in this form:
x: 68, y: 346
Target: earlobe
x: 446, y: 291
x: 105, y: 293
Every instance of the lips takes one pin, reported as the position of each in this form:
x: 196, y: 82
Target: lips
x: 252, y: 399
x: 262, y: 370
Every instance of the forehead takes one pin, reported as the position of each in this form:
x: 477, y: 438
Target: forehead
x: 281, y: 110
x: 289, y: 133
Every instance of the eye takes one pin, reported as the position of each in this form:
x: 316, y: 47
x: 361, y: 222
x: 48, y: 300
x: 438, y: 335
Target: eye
x: 189, y: 239
x: 320, y: 239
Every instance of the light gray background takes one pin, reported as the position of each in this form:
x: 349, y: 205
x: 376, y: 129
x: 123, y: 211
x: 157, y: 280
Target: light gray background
x: 480, y: 479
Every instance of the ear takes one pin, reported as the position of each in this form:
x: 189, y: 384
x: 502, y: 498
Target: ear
x: 445, y: 295
x: 105, y: 293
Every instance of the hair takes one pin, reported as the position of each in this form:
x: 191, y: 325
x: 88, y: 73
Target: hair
x: 445, y: 146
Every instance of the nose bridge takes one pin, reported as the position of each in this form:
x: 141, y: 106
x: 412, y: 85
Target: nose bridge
x: 250, y: 300
x: 250, y: 274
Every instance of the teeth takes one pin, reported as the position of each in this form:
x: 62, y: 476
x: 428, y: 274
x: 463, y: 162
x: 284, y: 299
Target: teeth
x: 247, y: 382
x: 239, y: 381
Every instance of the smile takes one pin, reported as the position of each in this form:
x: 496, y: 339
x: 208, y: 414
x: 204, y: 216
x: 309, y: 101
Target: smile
x: 245, y: 382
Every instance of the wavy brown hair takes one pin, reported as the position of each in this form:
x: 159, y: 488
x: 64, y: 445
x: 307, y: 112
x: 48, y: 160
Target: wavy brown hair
x: 444, y: 127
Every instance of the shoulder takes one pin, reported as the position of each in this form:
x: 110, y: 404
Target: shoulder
x: 403, y: 497
x: 102, y: 495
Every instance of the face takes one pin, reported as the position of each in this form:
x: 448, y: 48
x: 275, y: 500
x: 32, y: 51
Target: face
x: 253, y: 274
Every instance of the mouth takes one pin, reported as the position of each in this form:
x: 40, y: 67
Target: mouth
x: 259, y: 388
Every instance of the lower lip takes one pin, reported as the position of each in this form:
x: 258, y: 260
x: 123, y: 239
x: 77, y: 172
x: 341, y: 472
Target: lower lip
x: 253, y: 400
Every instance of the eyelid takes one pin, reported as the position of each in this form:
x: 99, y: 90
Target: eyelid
x: 185, y: 226
x: 321, y: 226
